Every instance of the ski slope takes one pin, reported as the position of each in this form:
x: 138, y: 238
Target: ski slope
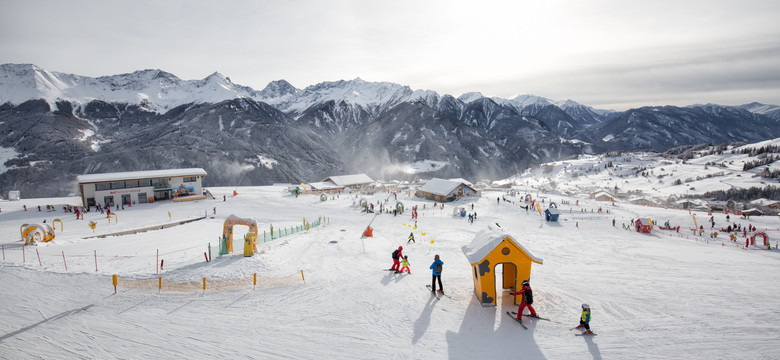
x: 658, y: 295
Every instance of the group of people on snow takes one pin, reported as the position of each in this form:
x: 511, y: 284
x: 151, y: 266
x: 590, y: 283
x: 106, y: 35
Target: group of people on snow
x: 401, y: 264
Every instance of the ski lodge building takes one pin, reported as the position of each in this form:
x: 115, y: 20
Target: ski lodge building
x: 336, y: 184
x: 140, y: 187
x: 446, y: 190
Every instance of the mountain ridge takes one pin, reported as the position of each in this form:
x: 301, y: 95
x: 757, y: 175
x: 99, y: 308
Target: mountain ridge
x: 110, y: 123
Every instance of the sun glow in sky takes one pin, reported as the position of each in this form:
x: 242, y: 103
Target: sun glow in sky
x: 608, y: 54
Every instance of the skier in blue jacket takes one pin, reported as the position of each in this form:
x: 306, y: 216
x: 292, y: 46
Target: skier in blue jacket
x: 436, y: 267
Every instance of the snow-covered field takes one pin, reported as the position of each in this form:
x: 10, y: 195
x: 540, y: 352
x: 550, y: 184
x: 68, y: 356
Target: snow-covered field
x: 659, y: 295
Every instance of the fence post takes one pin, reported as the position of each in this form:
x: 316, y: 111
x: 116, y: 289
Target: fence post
x: 39, y: 257
x: 115, y: 282
x: 157, y: 262
x: 64, y: 262
x: 96, y: 270
x: 204, y: 285
x: 159, y: 284
x: 254, y: 284
x: 23, y: 256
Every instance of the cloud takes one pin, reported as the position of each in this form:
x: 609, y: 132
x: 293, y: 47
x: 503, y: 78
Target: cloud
x: 679, y: 75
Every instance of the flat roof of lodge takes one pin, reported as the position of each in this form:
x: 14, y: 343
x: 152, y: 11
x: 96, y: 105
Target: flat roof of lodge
x: 138, y: 175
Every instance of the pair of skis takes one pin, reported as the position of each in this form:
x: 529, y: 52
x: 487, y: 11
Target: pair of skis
x: 438, y: 294
x: 513, y: 315
x: 584, y: 333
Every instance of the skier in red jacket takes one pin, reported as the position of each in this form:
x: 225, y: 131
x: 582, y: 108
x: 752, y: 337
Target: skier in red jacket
x: 397, y: 255
x: 527, y: 300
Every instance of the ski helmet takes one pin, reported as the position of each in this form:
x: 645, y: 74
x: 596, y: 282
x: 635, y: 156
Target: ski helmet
x: 585, y: 307
x: 400, y: 248
x: 436, y: 257
x: 526, y: 283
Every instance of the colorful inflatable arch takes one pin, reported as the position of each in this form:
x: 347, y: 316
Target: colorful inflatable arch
x: 227, y: 229
x: 37, y: 233
x: 762, y: 234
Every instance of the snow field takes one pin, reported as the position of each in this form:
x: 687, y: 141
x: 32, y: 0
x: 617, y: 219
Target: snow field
x: 653, y: 296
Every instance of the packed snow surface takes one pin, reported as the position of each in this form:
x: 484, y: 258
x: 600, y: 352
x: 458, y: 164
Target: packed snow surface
x: 658, y: 295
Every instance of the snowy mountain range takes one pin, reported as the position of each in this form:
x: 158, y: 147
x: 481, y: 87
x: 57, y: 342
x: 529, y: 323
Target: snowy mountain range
x: 57, y: 125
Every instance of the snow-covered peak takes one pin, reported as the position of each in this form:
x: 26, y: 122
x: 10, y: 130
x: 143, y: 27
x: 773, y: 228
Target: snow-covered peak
x: 568, y: 104
x: 427, y: 97
x: 358, y: 92
x: 526, y: 100
x: 470, y: 96
x: 760, y: 108
x: 154, y: 89
x: 277, y: 89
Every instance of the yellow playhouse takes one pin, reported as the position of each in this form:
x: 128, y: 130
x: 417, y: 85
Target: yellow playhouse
x: 493, y: 247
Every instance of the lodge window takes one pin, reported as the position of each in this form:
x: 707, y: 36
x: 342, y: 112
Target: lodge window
x: 131, y: 184
x: 142, y: 183
x: 189, y: 179
x: 118, y: 185
x: 102, y: 186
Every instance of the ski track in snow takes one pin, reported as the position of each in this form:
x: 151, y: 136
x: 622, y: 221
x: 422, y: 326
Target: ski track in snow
x: 653, y: 296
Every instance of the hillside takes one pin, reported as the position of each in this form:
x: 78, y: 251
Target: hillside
x: 658, y: 178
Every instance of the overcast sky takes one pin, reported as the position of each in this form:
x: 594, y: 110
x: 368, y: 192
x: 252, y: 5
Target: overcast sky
x: 611, y: 54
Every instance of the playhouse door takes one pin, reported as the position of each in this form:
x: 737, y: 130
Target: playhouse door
x: 509, y: 277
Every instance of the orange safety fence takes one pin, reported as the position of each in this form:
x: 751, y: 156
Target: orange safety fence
x: 162, y: 284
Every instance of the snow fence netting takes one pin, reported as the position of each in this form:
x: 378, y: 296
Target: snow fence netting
x: 163, y: 284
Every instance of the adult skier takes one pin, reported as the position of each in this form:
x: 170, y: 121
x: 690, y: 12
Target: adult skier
x: 527, y: 299
x: 436, y: 268
x: 397, y: 254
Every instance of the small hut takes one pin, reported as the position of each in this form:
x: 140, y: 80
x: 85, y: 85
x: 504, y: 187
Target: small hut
x: 645, y: 227
x: 551, y: 214
x: 493, y: 247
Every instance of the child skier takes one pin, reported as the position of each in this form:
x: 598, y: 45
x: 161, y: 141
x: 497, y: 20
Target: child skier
x: 437, y: 268
x: 411, y: 238
x: 405, y: 265
x: 527, y: 299
x: 585, y: 319
x: 397, y: 255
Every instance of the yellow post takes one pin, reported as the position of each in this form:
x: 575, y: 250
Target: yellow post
x: 255, y: 280
x: 302, y: 278
x: 169, y: 216
x: 159, y: 284
x: 204, y: 284
x: 115, y: 282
